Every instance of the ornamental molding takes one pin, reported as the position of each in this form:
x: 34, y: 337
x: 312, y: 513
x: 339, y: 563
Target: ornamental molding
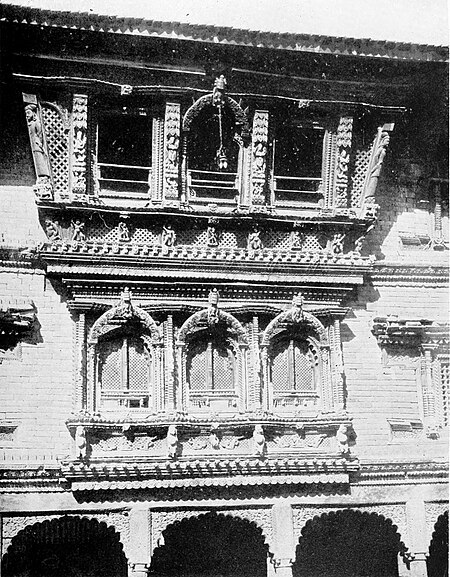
x: 433, y: 510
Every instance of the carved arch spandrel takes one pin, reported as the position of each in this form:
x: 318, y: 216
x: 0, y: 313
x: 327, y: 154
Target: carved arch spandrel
x: 286, y: 318
x: 258, y: 516
x: 239, y: 114
x: 199, y: 320
x: 104, y: 323
x: 434, y: 510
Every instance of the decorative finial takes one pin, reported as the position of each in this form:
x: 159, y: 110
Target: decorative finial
x: 220, y: 82
x: 213, y: 301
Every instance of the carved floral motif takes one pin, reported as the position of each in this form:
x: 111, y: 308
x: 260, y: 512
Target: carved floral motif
x: 344, y: 143
x: 79, y: 124
x: 259, y: 155
x: 172, y: 122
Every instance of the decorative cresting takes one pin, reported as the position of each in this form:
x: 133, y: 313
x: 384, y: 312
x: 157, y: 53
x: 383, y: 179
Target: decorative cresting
x: 379, y: 148
x: 117, y: 318
x: 61, y: 536
x: 222, y: 103
x: 311, y: 356
x: 202, y: 331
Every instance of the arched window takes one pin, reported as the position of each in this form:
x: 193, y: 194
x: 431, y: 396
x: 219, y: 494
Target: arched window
x: 124, y: 372
x: 294, y: 371
x: 211, y: 371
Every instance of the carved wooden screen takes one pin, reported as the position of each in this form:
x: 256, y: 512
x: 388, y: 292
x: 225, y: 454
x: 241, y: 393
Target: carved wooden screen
x: 124, y: 373
x: 294, y: 371
x: 211, y: 371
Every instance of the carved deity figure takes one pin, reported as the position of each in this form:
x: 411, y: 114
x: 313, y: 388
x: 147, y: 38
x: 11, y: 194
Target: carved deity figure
x: 337, y: 243
x: 123, y: 231
x: 297, y: 308
x: 213, y: 308
x: 342, y: 439
x: 78, y: 231
x: 52, y: 230
x: 220, y: 85
x: 254, y: 240
x: 80, y: 442
x: 212, y: 236
x: 172, y: 145
x: 37, y: 141
x: 172, y: 441
x: 125, y: 309
x: 358, y: 245
x: 214, y: 439
x: 259, y: 441
x: 168, y: 236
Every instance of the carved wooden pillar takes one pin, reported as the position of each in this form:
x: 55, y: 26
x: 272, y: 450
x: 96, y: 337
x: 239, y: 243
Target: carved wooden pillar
x: 327, y: 398
x: 379, y: 148
x: 156, y: 180
x: 344, y: 145
x: 244, y: 169
x: 243, y: 378
x: 80, y: 362
x: 329, y: 167
x: 184, y: 169
x: 284, y: 541
x: 336, y: 365
x: 417, y: 533
x: 259, y: 157
x: 254, y: 373
x: 79, y: 146
x: 140, y: 542
x: 181, y: 388
x: 267, y: 394
x: 91, y: 377
x: 172, y: 123
x: 44, y: 182
x: 169, y: 397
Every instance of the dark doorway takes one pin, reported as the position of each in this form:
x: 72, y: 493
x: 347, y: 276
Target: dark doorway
x: 437, y: 562
x: 70, y: 546
x: 348, y: 544
x: 211, y: 545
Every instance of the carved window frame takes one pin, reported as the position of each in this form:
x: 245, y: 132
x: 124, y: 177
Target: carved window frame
x: 206, y: 324
x: 305, y: 326
x: 433, y: 389
x: 116, y: 322
x: 131, y: 107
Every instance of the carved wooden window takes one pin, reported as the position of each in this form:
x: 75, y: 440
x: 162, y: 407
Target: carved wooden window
x: 297, y: 153
x: 294, y: 371
x: 124, y: 151
x: 213, y: 155
x: 124, y: 373
x: 211, y: 371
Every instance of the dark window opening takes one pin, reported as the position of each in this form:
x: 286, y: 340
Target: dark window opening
x: 297, y: 163
x: 124, y: 152
x: 213, y: 153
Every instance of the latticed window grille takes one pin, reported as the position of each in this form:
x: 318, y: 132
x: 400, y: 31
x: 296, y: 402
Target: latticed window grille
x: 58, y: 148
x: 211, y: 367
x: 124, y: 373
x: 294, y: 367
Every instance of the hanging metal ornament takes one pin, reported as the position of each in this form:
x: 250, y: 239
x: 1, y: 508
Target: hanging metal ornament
x: 218, y: 101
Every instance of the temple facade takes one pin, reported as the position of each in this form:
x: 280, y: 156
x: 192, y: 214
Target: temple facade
x: 223, y: 301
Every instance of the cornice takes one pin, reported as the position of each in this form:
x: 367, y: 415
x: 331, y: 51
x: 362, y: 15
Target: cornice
x: 392, y: 330
x: 409, y: 274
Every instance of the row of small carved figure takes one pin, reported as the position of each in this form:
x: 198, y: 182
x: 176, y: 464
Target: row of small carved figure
x: 168, y: 237
x: 173, y: 444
